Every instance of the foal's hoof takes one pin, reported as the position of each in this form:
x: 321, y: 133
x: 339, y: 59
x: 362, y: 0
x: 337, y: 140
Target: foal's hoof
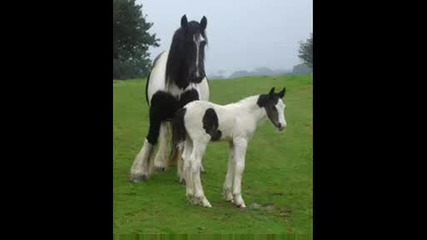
x: 182, y: 181
x: 229, y: 199
x: 242, y: 205
x: 227, y: 195
x: 138, y: 178
x: 202, y: 201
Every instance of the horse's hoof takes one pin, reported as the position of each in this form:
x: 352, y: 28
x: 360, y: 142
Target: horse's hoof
x: 138, y: 178
x: 182, y: 181
x: 206, y: 203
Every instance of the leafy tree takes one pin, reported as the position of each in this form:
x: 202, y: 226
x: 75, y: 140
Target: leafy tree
x: 306, y: 51
x: 131, y: 40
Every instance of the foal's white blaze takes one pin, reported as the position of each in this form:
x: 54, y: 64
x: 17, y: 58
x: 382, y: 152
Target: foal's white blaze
x: 280, y: 106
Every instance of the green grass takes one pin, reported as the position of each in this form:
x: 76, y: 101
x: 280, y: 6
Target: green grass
x: 278, y: 169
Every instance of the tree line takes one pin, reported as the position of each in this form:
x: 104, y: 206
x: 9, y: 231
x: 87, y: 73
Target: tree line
x: 131, y: 40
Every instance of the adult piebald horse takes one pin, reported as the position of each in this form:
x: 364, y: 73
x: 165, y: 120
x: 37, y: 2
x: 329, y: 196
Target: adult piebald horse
x: 177, y: 78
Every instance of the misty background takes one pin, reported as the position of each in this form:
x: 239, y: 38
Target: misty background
x: 246, y: 37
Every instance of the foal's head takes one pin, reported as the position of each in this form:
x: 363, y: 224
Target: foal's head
x: 274, y: 106
x: 188, y: 52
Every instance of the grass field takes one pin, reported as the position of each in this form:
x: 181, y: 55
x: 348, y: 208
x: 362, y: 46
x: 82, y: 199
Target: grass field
x: 278, y: 172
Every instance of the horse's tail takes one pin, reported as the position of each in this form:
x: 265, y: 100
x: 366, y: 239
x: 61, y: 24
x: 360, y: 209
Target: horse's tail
x: 179, y: 134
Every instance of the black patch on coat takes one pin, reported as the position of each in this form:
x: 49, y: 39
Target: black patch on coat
x: 188, y: 96
x: 178, y: 127
x: 163, y: 108
x: 210, y: 124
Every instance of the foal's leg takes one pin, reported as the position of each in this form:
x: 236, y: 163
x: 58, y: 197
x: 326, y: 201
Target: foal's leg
x: 186, y: 172
x: 186, y: 152
x: 180, y: 167
x: 228, y: 184
x: 199, y: 148
x: 240, y: 146
x: 160, y: 161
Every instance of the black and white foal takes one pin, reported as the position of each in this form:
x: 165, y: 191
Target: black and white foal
x: 200, y: 122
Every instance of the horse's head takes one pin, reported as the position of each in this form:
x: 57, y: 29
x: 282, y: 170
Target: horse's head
x: 193, y: 44
x: 275, y: 107
x: 188, y: 51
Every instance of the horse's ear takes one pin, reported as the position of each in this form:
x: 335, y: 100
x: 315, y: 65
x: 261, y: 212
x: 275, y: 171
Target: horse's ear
x: 271, y: 93
x: 282, y: 93
x: 203, y: 23
x: 184, y: 22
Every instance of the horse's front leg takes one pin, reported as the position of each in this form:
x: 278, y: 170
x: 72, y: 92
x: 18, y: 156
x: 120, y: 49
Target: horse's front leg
x: 140, y: 170
x: 142, y: 165
x: 240, y: 145
x: 161, y: 159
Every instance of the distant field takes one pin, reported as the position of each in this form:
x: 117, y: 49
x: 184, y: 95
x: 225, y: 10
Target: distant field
x: 278, y: 171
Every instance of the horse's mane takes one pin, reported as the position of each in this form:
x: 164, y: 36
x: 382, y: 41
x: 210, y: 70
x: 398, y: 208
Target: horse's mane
x: 178, y: 64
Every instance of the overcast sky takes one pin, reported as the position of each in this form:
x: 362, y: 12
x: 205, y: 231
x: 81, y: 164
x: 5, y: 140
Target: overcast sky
x: 243, y: 34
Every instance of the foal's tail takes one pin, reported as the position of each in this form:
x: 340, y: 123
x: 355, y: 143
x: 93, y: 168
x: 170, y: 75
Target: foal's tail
x: 178, y: 135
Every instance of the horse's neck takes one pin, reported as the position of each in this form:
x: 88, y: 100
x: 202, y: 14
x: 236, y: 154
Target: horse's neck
x: 249, y: 107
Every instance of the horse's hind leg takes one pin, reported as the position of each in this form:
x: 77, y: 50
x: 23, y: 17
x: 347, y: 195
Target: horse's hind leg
x: 161, y: 159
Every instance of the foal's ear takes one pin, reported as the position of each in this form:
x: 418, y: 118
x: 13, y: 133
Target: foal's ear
x: 184, y: 22
x: 203, y: 23
x: 281, y: 94
x: 271, y: 93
